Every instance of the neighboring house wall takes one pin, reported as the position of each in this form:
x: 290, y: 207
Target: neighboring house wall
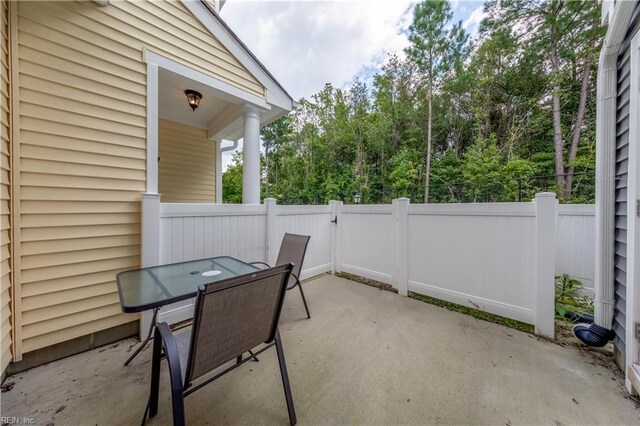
x: 187, y: 168
x: 621, y: 187
x: 622, y: 242
x: 83, y: 133
x: 5, y: 181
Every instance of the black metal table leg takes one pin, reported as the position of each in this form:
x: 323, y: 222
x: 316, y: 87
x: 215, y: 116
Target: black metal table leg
x: 146, y: 340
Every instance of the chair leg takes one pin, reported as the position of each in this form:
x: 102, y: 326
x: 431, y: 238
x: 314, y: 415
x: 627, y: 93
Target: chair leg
x: 155, y: 374
x: 306, y: 308
x: 285, y: 380
x: 255, y: 358
x: 175, y: 374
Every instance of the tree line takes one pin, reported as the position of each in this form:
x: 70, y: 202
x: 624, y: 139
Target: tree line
x: 450, y: 119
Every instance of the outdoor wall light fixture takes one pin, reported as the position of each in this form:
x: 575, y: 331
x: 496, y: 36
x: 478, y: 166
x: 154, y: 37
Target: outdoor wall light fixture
x: 357, y: 198
x: 193, y: 98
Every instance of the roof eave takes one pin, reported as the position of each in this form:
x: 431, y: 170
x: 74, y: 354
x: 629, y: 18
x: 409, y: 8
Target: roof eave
x: 275, y: 92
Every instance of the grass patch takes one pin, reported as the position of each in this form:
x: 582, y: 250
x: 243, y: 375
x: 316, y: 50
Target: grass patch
x: 570, y: 304
x: 367, y: 281
x: 476, y: 312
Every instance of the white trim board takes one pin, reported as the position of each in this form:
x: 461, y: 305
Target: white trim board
x: 152, y: 128
x: 274, y: 93
x: 225, y: 90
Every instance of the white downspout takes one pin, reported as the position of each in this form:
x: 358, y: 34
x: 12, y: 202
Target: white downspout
x: 619, y: 19
x: 605, y: 187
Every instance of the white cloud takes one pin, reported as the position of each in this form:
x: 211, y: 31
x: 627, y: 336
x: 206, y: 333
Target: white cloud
x: 306, y: 44
x: 472, y: 23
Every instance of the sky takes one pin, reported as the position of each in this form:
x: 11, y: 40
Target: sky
x: 308, y: 43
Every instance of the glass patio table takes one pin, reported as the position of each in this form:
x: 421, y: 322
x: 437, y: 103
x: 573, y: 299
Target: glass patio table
x: 158, y: 286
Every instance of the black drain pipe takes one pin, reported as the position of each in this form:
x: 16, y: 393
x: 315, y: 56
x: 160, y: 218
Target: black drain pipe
x: 593, y: 334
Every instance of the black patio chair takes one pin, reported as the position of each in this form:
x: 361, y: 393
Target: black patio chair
x: 292, y: 250
x: 230, y: 318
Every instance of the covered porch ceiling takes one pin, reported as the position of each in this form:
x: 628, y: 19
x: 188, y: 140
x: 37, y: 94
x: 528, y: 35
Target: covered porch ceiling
x: 219, y: 112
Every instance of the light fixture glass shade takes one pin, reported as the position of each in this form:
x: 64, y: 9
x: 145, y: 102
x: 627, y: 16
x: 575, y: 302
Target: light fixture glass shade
x: 193, y: 98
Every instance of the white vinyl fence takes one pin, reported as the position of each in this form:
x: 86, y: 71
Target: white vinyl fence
x: 305, y: 220
x: 575, y: 246
x: 497, y: 257
x: 366, y: 241
x: 478, y: 255
x: 500, y: 257
x: 252, y: 233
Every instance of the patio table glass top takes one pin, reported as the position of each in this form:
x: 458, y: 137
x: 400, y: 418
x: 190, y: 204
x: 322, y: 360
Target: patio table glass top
x: 153, y: 287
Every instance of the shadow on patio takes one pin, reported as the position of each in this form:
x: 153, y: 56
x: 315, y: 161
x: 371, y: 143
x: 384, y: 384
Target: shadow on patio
x: 366, y: 356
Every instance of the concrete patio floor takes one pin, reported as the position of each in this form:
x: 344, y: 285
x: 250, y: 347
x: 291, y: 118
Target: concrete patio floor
x: 366, y: 357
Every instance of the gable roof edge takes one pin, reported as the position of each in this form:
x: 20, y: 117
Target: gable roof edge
x: 275, y: 93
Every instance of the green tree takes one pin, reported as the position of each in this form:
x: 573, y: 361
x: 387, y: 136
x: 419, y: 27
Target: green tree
x: 564, y: 37
x: 435, y: 49
x: 275, y: 135
x: 486, y: 121
x: 232, y: 180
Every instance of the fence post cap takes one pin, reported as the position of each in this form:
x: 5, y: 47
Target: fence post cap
x: 403, y: 200
x: 546, y: 195
x: 149, y: 195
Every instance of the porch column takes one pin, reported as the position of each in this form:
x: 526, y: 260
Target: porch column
x: 251, y: 157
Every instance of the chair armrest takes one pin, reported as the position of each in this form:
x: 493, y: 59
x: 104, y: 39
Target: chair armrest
x: 260, y: 263
x: 172, y: 355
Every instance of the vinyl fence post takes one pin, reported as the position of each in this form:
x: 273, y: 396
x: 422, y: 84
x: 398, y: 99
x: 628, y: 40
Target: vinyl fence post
x: 150, y: 230
x: 546, y: 209
x: 271, y: 230
x: 336, y: 213
x: 150, y: 242
x: 401, y: 242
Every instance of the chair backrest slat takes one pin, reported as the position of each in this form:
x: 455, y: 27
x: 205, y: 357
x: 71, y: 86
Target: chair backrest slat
x: 233, y: 316
x: 293, y: 250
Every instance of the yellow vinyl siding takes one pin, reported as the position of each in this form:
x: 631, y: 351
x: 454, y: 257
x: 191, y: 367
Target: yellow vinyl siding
x: 167, y: 27
x: 5, y: 190
x: 82, y: 116
x: 187, y: 168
